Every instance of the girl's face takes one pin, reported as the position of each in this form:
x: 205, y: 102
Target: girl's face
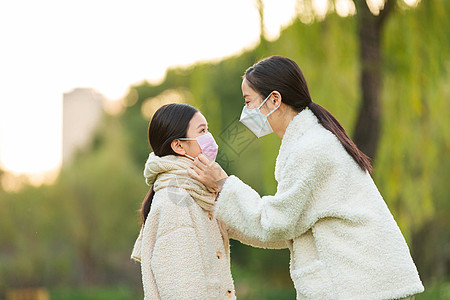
x: 197, y: 126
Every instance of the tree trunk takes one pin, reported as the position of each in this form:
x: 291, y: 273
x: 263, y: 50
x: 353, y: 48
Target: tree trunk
x: 260, y: 7
x: 367, y: 130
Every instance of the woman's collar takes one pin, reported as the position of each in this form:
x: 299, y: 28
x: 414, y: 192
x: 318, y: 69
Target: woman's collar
x: 299, y: 125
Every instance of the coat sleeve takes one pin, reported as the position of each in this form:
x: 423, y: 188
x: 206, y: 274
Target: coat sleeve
x: 283, y: 216
x: 239, y: 236
x: 177, y: 265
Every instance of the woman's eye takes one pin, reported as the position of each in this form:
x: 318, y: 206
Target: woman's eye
x: 203, y: 130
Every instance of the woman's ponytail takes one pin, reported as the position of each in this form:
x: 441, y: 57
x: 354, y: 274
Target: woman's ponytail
x: 330, y: 123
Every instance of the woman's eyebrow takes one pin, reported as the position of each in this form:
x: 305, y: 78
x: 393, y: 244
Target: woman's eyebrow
x: 201, y: 125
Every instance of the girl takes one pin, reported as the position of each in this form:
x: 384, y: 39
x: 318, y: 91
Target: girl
x: 183, y: 249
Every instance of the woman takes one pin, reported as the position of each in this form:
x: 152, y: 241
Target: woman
x: 183, y: 249
x: 343, y: 240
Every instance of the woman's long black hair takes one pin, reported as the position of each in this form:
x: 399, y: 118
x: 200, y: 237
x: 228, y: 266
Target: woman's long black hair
x: 169, y: 123
x: 278, y: 73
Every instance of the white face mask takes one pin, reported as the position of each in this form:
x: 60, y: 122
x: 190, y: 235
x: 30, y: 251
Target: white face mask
x: 256, y: 121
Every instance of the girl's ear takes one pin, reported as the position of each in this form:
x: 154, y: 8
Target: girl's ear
x: 177, y: 147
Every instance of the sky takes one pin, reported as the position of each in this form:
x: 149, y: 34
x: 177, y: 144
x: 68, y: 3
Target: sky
x: 50, y: 47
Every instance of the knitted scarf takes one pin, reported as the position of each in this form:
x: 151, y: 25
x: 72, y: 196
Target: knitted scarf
x: 171, y: 171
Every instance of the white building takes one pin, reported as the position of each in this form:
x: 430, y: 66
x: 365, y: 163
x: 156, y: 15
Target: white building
x: 82, y: 113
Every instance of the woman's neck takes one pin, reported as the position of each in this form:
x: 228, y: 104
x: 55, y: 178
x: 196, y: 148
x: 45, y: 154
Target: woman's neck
x: 285, y: 117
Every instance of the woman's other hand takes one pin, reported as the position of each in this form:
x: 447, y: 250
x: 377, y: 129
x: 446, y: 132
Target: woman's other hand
x: 208, y: 172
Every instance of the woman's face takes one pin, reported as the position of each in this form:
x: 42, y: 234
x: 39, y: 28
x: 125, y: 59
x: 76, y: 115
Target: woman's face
x: 252, y: 98
x: 197, y: 126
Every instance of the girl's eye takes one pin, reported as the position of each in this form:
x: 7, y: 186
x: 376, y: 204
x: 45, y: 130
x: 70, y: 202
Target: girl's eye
x: 203, y: 130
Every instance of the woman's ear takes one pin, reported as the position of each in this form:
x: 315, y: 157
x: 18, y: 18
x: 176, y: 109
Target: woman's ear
x: 177, y: 147
x: 275, y: 99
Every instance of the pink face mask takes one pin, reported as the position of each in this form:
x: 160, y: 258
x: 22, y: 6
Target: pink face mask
x: 207, y: 144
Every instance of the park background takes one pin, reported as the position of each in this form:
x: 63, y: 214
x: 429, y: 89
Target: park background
x: 74, y: 237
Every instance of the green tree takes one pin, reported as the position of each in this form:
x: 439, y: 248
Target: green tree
x: 370, y: 24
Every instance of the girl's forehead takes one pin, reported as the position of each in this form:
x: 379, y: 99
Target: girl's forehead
x: 198, y: 119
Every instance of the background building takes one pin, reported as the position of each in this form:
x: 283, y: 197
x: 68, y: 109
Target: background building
x: 82, y: 113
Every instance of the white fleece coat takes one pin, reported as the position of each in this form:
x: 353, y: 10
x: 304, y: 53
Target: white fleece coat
x: 343, y: 239
x: 184, y: 253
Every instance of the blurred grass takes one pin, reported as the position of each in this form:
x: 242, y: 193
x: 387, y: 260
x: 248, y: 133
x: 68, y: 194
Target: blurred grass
x: 96, y: 293
x: 436, y: 291
x: 249, y: 287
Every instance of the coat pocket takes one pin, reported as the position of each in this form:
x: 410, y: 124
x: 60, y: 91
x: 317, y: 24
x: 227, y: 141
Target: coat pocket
x: 313, y: 282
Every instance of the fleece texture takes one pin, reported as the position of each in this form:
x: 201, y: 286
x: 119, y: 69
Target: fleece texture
x: 183, y: 249
x: 344, y: 242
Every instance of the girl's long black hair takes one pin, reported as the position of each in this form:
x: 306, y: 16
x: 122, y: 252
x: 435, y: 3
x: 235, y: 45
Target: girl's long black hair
x: 169, y: 122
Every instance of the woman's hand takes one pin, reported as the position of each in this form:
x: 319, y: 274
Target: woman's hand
x: 208, y: 172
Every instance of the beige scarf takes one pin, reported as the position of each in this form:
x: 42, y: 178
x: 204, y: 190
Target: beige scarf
x: 171, y: 171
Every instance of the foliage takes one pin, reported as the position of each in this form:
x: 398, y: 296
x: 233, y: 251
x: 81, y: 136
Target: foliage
x: 80, y: 231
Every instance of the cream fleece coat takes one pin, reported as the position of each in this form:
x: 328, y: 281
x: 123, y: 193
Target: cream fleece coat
x: 183, y: 249
x: 343, y: 239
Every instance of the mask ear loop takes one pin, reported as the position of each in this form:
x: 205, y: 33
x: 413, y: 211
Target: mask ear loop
x: 189, y: 156
x: 187, y: 139
x: 273, y: 110
x: 264, y: 101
